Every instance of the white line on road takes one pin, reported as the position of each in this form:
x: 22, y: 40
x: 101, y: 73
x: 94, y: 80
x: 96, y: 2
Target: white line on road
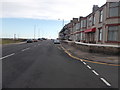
x: 25, y: 49
x: 7, y: 56
x: 95, y: 72
x: 84, y: 63
x: 105, y: 81
x: 88, y: 66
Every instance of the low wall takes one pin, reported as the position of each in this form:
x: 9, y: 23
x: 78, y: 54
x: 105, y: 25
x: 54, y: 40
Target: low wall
x: 96, y: 49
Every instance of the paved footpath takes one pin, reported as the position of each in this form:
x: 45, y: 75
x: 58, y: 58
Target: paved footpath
x: 96, y: 57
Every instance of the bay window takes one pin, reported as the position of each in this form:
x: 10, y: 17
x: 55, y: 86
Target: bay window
x: 113, y: 9
x: 113, y: 33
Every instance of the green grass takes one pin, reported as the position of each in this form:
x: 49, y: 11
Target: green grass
x: 9, y: 41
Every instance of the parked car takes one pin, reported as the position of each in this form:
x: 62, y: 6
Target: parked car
x: 29, y: 41
x: 40, y: 39
x: 35, y: 40
x: 44, y: 38
x: 55, y: 41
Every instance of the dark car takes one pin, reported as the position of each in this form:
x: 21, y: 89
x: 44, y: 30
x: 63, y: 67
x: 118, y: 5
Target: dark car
x: 44, y: 38
x: 35, y: 40
x: 40, y: 39
x: 29, y: 41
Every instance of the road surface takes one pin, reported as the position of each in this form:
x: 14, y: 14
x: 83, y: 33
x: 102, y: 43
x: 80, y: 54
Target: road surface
x: 46, y: 65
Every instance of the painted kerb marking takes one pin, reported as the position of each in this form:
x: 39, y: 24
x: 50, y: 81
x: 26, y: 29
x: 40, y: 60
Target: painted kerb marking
x: 87, y: 60
x: 108, y: 84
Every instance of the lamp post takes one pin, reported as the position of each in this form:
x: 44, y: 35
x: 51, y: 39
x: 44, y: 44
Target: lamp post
x: 62, y: 25
x: 34, y: 30
x: 39, y: 33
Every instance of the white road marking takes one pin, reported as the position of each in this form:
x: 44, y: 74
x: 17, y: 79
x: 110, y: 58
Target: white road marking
x: 108, y: 84
x: 25, y: 49
x: 88, y: 66
x: 7, y: 56
x: 84, y: 63
x: 95, y: 72
x: 105, y: 81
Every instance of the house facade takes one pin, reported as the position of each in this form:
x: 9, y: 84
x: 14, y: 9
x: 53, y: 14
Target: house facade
x: 102, y: 26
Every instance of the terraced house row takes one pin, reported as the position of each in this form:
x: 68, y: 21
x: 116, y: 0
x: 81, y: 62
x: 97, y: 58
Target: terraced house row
x: 102, y: 26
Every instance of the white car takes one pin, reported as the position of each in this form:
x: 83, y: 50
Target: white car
x: 56, y: 41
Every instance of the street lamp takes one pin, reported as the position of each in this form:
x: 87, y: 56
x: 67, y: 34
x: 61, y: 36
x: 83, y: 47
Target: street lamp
x: 38, y: 32
x: 34, y: 30
x: 62, y: 25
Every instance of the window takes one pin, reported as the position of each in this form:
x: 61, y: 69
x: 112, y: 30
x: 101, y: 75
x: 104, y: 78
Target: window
x: 93, y: 22
x: 113, y: 33
x: 113, y: 12
x: 81, y: 36
x: 81, y: 23
x: 77, y: 26
x: 90, y: 21
x: 84, y: 23
x: 113, y: 9
x: 101, y: 16
x: 100, y: 34
x: 114, y: 4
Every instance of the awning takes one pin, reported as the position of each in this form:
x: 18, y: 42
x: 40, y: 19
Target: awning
x: 78, y: 32
x: 90, y: 30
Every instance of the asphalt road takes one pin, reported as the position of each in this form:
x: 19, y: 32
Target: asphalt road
x: 46, y: 65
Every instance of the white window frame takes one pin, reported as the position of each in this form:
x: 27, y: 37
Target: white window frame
x: 101, y: 16
x: 100, y: 34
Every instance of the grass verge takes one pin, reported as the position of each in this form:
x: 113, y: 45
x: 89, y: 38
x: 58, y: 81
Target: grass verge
x: 9, y: 41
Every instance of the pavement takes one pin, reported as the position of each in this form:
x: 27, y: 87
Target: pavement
x: 96, y: 57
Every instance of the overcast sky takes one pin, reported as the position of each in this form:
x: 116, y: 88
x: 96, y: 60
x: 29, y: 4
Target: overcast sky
x: 20, y: 16
x: 48, y: 9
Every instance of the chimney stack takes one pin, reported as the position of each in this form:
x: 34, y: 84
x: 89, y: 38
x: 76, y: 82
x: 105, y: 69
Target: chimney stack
x: 95, y: 7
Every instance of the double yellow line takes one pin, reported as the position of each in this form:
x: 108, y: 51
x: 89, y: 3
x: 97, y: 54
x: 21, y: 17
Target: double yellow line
x: 87, y: 60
